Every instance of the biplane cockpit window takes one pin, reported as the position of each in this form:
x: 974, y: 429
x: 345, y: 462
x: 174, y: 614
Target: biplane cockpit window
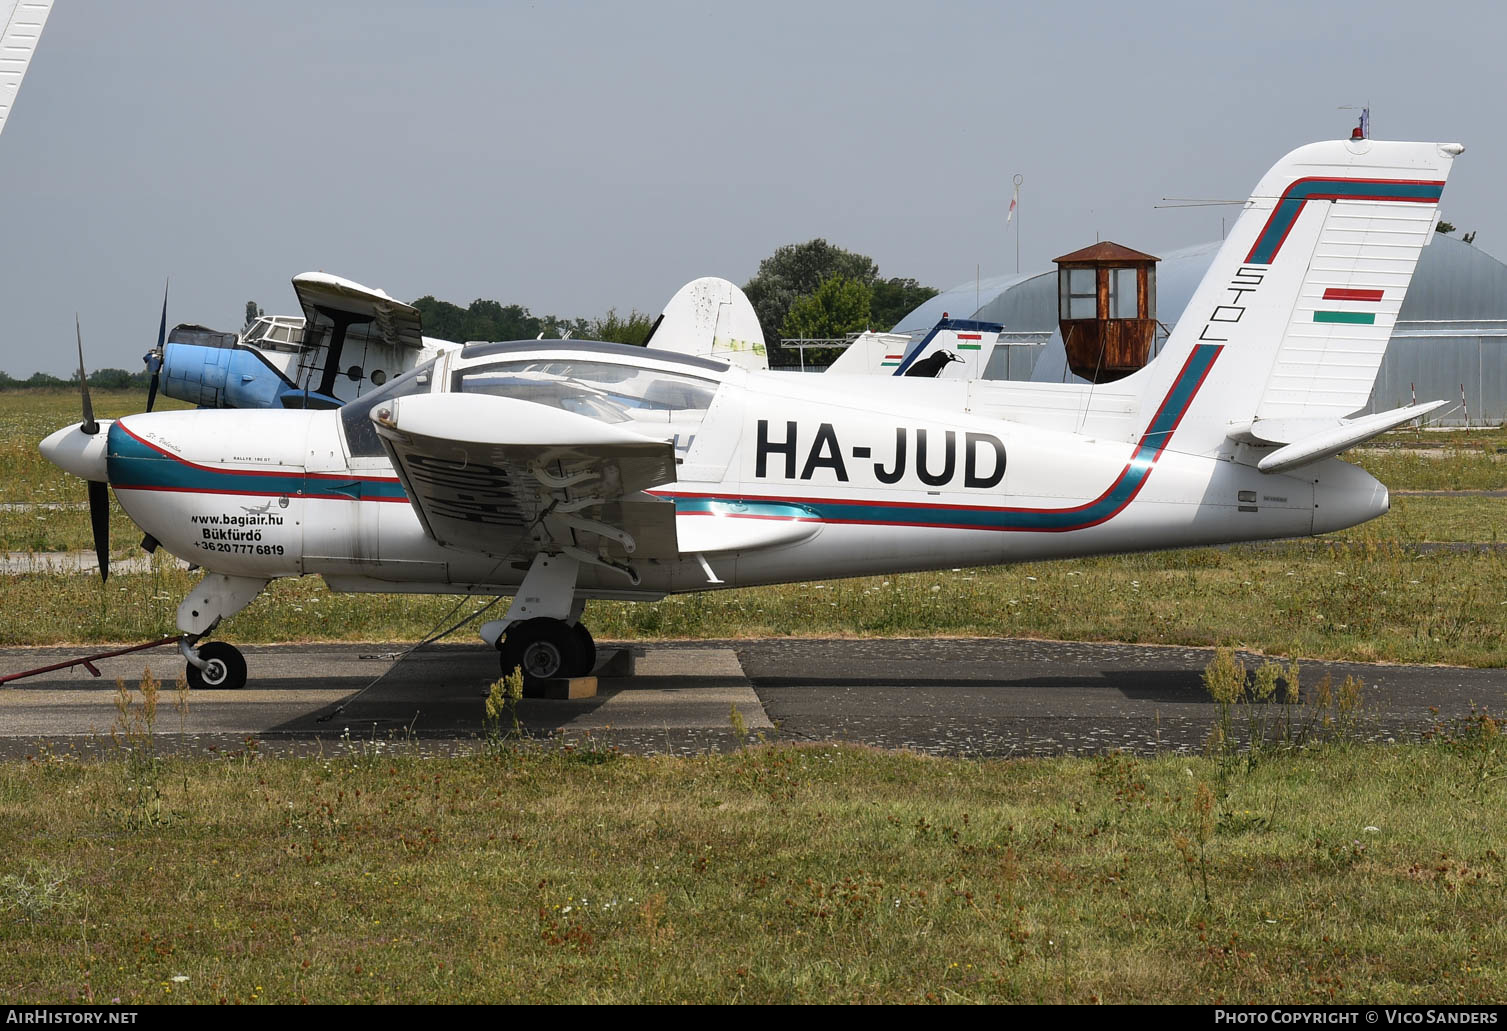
x: 275, y: 333
x: 360, y: 434
x: 604, y: 391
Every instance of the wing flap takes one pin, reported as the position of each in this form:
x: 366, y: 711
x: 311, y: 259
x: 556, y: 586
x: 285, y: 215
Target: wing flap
x: 506, y: 477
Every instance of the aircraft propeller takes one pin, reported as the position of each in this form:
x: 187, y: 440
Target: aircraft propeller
x: 153, y: 358
x: 99, y: 492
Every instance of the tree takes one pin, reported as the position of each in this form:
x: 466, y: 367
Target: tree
x: 838, y: 306
x: 798, y: 269
x: 894, y: 299
x: 440, y: 318
x: 482, y: 320
x: 613, y: 329
x: 1444, y: 227
x: 110, y: 379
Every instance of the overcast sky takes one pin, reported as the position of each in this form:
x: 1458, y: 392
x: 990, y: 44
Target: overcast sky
x: 576, y: 157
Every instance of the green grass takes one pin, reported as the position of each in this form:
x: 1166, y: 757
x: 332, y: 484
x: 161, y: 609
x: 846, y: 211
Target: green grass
x: 1434, y: 518
x: 1410, y: 459
x: 1369, y: 601
x: 1451, y: 470
x: 1347, y: 874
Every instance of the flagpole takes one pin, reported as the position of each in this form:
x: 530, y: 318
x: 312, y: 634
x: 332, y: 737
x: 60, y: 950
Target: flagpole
x: 1015, y: 205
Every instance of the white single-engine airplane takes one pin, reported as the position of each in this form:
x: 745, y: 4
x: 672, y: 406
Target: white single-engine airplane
x: 557, y: 471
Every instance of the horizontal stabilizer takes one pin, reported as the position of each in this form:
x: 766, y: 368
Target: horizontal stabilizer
x: 1330, y: 442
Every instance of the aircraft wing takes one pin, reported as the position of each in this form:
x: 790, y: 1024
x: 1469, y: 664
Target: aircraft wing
x: 510, y: 478
x: 326, y: 299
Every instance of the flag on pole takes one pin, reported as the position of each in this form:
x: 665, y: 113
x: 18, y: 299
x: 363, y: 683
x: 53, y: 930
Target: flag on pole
x: 1014, y: 199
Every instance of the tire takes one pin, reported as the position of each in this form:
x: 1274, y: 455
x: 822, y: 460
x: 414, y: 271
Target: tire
x: 583, y: 653
x: 542, y: 648
x: 226, y: 669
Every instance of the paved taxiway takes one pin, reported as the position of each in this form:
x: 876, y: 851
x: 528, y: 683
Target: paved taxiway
x: 945, y: 696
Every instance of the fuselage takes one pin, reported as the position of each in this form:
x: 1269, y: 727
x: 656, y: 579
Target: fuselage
x: 780, y: 478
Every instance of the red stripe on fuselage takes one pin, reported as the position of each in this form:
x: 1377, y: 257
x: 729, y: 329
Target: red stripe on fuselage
x: 250, y: 493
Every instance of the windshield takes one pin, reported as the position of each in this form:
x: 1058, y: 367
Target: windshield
x: 360, y: 434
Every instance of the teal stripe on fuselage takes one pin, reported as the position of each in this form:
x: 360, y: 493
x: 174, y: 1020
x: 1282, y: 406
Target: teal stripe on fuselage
x: 134, y: 464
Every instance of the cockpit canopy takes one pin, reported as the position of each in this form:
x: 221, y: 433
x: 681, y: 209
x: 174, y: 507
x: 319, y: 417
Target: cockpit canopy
x: 659, y: 392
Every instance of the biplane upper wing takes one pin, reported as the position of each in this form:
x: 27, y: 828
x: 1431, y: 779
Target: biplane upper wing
x: 329, y: 300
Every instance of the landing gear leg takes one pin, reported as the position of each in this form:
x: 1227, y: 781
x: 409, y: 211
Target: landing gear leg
x: 542, y: 633
x: 216, y: 664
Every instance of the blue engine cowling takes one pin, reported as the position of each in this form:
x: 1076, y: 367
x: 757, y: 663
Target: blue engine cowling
x: 231, y: 377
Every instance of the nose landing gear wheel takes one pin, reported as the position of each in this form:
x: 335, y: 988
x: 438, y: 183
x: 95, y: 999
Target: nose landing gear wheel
x: 224, y: 670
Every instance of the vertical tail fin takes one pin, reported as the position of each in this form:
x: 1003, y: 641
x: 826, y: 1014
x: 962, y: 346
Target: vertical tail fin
x: 711, y: 318
x: 1293, y: 317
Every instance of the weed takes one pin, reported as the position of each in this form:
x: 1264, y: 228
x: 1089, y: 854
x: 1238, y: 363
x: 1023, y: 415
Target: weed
x: 180, y: 701
x: 1328, y: 714
x: 1477, y: 739
x: 133, y: 734
x: 502, y: 706
x: 37, y: 892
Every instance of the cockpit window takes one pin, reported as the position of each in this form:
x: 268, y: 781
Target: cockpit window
x: 360, y: 435
x: 605, y: 391
x: 275, y: 333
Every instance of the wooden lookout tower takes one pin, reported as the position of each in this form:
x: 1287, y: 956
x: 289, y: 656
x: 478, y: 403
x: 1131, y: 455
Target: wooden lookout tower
x: 1106, y: 308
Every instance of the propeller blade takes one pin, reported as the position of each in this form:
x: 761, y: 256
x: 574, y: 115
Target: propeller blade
x: 162, y: 326
x: 90, y: 426
x: 154, y: 358
x: 99, y: 521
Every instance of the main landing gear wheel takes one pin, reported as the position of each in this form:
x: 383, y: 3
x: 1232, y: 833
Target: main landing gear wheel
x: 547, y: 649
x: 586, y: 651
x: 224, y: 669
